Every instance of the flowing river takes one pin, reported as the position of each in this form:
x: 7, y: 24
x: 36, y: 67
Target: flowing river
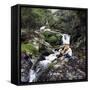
x: 42, y: 66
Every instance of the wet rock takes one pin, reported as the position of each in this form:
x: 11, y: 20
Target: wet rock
x: 26, y: 64
x: 65, y: 71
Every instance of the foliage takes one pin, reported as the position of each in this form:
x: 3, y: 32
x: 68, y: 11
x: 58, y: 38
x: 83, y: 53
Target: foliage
x: 72, y: 22
x: 29, y: 48
x: 47, y: 34
x: 52, y: 38
x: 33, y: 18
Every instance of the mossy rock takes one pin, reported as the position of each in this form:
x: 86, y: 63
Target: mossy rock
x: 29, y: 48
x: 52, y: 39
x: 47, y: 34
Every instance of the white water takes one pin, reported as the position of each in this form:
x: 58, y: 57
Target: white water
x: 66, y: 39
x: 32, y: 75
x: 43, y: 65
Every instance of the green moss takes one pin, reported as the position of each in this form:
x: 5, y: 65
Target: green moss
x: 52, y: 39
x: 47, y: 34
x: 29, y: 48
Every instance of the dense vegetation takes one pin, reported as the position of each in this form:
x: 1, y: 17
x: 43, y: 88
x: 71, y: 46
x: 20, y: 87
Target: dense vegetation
x: 34, y: 42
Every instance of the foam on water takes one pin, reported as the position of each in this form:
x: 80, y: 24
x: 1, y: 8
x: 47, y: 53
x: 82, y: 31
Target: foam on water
x: 32, y: 75
x: 43, y: 64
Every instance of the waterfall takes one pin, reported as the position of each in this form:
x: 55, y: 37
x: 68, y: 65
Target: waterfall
x: 65, y: 39
x: 44, y: 64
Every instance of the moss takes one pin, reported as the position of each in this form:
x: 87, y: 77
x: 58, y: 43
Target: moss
x: 52, y: 39
x: 29, y: 48
x: 47, y: 34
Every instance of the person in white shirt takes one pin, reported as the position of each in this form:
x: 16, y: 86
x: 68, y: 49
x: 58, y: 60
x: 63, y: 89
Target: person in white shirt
x: 65, y: 51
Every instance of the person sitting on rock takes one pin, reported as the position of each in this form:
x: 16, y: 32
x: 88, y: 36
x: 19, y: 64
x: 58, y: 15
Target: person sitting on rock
x: 65, y: 50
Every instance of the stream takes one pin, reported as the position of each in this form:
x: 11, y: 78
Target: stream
x: 42, y: 66
x: 34, y: 69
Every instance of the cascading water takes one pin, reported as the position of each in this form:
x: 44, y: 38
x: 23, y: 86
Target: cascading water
x: 44, y: 64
